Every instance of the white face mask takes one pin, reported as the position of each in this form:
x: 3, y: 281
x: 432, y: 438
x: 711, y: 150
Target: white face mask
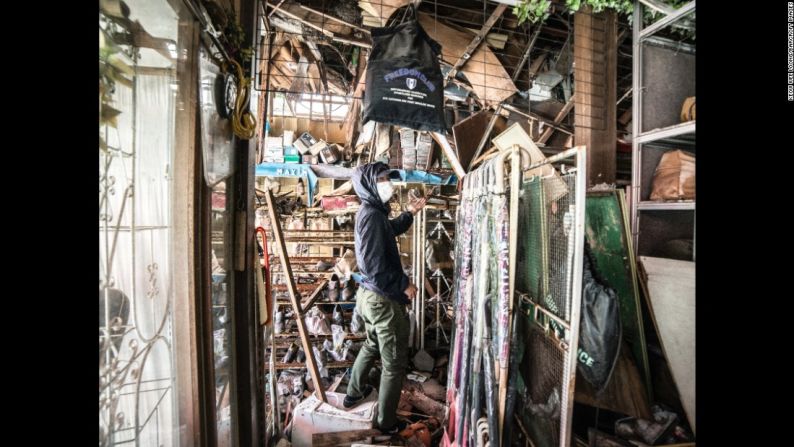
x: 385, y: 191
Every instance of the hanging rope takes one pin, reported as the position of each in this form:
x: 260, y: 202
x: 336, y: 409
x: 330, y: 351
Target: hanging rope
x: 243, y: 122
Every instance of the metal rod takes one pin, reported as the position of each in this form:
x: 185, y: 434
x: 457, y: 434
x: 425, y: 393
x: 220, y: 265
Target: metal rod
x: 636, y: 122
x: 526, y: 53
x: 628, y: 92
x: 674, y: 17
x: 486, y: 134
x: 567, y: 154
x: 546, y: 122
x: 576, y: 242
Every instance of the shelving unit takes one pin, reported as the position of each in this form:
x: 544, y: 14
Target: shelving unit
x: 664, y: 75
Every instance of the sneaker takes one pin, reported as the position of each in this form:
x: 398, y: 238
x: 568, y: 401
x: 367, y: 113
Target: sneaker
x: 350, y: 401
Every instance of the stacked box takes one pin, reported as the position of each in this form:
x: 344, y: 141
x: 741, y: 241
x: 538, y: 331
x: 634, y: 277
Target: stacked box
x: 424, y: 150
x: 408, y: 148
x: 274, y: 150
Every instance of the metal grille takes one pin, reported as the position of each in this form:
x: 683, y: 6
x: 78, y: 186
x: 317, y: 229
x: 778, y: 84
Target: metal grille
x: 544, y: 367
x: 548, y: 278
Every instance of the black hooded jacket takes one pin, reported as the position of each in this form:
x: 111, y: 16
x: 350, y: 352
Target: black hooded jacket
x: 376, y: 249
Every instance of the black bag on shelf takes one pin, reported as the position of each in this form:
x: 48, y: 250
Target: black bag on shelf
x: 404, y: 85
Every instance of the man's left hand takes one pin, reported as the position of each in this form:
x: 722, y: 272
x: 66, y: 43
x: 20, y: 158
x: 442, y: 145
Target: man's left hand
x: 416, y: 204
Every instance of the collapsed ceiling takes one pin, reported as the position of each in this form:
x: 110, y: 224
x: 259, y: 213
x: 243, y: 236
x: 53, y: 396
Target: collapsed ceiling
x: 321, y: 46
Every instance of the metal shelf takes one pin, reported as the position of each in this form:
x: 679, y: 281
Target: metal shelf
x: 295, y: 335
x: 687, y: 9
x: 666, y: 206
x: 666, y: 132
x: 647, y: 146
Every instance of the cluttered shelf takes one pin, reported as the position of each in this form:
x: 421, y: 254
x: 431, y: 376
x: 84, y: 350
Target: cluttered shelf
x: 329, y: 365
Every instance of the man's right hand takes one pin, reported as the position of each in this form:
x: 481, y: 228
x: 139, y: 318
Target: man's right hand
x: 410, y: 291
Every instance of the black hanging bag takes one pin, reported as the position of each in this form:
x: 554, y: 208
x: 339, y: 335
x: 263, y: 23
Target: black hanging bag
x: 404, y: 85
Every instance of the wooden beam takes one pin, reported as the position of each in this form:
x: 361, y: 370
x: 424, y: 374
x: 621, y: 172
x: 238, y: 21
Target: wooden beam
x: 342, y: 437
x: 557, y: 120
x: 478, y: 39
x: 306, y: 305
x: 275, y: 224
x: 595, y: 62
x: 442, y: 141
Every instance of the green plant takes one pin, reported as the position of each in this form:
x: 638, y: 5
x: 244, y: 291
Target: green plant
x: 113, y: 66
x: 538, y: 10
x: 235, y: 39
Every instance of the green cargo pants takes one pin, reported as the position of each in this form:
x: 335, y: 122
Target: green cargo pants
x: 386, y: 323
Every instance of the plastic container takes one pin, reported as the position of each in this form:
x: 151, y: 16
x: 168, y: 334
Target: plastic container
x: 312, y: 416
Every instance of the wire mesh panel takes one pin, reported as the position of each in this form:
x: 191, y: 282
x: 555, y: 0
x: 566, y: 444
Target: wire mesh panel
x: 548, y: 278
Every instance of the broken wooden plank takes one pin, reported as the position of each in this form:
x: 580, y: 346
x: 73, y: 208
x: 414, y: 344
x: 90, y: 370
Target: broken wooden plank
x: 669, y: 287
x: 487, y: 134
x: 382, y: 10
x: 469, y: 132
x: 333, y: 31
x: 275, y: 224
x: 475, y: 43
x: 557, y: 120
x: 342, y: 437
x: 624, y: 393
x: 488, y: 78
x: 536, y: 64
x: 336, y: 383
x: 336, y: 19
x: 306, y: 305
x: 353, y: 113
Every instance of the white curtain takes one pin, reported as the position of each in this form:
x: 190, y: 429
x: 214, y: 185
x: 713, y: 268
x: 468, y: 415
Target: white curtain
x: 141, y: 263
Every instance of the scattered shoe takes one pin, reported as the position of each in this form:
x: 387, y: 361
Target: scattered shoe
x: 290, y: 355
x: 323, y: 266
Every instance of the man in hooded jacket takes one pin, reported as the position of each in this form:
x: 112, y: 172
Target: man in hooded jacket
x: 384, y: 292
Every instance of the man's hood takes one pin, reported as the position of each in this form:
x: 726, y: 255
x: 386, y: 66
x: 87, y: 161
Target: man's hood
x: 365, y: 183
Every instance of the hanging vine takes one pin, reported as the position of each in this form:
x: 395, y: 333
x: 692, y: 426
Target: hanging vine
x: 536, y: 11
